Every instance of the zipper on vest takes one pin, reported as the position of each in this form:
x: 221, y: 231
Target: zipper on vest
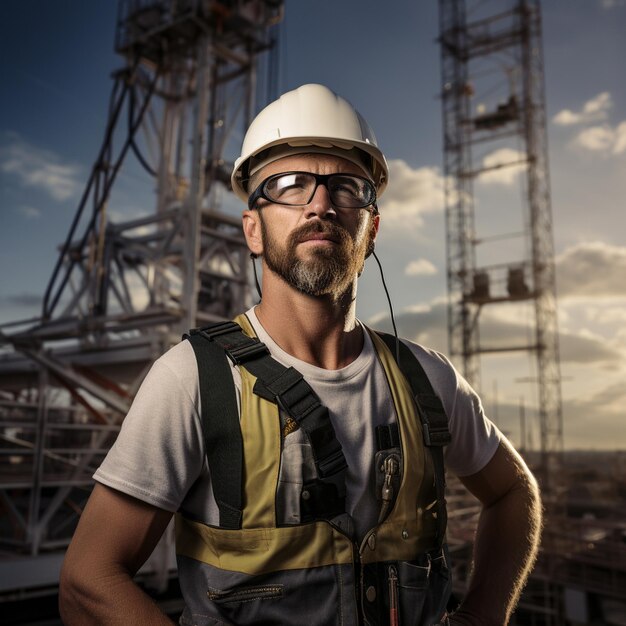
x: 391, y: 468
x: 358, y: 580
x: 393, y: 595
x: 357, y: 569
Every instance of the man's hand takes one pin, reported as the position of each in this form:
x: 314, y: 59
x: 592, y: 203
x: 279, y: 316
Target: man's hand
x: 507, y: 539
x: 114, y: 537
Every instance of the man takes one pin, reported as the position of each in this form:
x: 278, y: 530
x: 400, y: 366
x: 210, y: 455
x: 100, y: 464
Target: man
x: 370, y: 548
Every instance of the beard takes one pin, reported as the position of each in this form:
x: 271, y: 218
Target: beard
x: 327, y: 270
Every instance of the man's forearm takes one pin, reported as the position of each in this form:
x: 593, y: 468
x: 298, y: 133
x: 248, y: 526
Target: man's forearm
x: 505, y: 549
x: 115, y: 535
x: 111, y: 598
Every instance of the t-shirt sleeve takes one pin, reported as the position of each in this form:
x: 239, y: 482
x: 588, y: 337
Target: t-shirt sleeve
x: 159, y: 453
x: 475, y: 438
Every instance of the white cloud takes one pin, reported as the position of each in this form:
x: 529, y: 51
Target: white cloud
x: 620, y: 338
x: 603, y: 139
x: 600, y: 104
x: 619, y: 145
x: 506, y: 164
x: 596, y: 138
x: 607, y: 315
x: 596, y: 419
x: 580, y: 346
x: 600, y: 138
x: 566, y: 118
x: 420, y: 267
x: 583, y: 346
x: 39, y: 168
x: 412, y: 193
x: 592, y: 111
x: 422, y: 323
x: 29, y: 212
x: 592, y: 269
x: 427, y: 325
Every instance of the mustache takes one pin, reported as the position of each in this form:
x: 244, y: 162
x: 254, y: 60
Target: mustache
x: 329, y: 229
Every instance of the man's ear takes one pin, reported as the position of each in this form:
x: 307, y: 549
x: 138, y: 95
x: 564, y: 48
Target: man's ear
x: 375, y: 221
x: 374, y: 226
x: 251, y: 221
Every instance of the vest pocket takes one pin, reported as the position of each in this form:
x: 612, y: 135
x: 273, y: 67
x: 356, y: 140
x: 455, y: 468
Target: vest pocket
x: 316, y: 596
x: 413, y: 588
x: 439, y: 588
x: 297, y: 465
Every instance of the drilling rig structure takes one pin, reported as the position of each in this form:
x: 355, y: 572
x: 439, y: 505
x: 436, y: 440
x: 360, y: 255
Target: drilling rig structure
x: 122, y: 292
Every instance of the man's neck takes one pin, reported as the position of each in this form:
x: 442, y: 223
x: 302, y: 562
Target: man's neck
x: 318, y: 330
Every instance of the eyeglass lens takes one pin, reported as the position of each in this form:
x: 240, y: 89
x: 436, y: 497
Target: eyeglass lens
x: 298, y: 188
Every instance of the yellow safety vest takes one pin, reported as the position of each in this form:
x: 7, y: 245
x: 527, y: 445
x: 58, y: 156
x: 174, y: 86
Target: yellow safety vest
x: 312, y: 573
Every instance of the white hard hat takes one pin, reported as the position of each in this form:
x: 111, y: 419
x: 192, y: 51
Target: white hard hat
x: 311, y: 118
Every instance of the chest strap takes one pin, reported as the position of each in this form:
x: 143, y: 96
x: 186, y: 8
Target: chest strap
x: 434, y: 422
x: 322, y: 497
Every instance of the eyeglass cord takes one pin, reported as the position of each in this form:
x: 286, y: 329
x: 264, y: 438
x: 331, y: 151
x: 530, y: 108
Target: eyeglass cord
x: 393, y: 319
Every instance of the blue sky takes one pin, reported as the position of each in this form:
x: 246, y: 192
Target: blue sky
x: 56, y: 58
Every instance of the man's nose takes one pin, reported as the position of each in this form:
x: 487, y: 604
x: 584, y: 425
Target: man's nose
x: 320, y: 205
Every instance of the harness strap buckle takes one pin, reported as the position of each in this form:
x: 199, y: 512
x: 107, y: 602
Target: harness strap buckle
x: 215, y: 330
x: 246, y: 352
x: 332, y: 464
x: 238, y: 348
x: 436, y: 436
x: 284, y: 381
x: 301, y: 403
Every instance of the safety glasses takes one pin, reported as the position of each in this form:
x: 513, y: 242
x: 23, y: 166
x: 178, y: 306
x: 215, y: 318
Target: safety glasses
x: 346, y: 191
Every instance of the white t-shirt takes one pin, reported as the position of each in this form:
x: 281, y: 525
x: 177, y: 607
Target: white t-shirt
x: 159, y: 455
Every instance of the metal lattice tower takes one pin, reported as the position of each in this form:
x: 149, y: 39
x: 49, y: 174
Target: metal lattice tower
x: 123, y: 292
x: 494, y: 120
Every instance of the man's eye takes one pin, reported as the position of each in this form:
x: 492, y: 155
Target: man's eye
x: 346, y: 188
x: 293, y: 185
x: 287, y: 190
x: 288, y: 186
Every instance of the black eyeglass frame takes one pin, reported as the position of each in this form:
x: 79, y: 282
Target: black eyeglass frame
x: 320, y: 179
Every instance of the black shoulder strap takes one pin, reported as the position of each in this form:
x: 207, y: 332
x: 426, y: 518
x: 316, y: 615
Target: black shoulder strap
x: 222, y: 437
x: 323, y: 497
x: 433, y: 418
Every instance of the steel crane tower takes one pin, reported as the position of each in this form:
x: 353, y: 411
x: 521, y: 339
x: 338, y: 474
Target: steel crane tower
x: 122, y: 292
x: 492, y: 93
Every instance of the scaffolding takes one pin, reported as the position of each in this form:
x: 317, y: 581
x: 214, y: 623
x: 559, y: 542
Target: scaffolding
x: 580, y: 574
x: 122, y: 292
x: 494, y: 126
x: 494, y: 131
